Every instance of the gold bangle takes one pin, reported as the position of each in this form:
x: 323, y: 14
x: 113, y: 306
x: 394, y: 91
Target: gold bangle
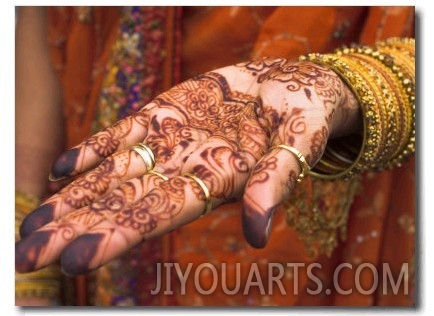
x: 388, y: 107
x: 384, y: 88
x: 403, y: 67
x: 397, y: 55
x: 378, y: 108
x: 405, y: 45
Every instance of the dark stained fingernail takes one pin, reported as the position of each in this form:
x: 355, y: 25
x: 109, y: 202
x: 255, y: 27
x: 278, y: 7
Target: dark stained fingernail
x: 65, y: 164
x: 36, y: 219
x: 256, y: 226
x: 27, y: 250
x: 76, y: 257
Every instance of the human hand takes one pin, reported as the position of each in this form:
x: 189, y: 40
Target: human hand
x: 222, y: 127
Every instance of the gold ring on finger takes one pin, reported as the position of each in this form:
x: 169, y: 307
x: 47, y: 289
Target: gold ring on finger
x: 202, y: 185
x: 162, y: 176
x: 147, y: 155
x: 304, y: 167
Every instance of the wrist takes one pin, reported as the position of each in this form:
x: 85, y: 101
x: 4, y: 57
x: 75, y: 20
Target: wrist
x: 382, y: 79
x: 348, y: 117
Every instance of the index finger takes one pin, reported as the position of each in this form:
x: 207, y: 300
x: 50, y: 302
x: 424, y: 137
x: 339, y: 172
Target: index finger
x: 124, y: 133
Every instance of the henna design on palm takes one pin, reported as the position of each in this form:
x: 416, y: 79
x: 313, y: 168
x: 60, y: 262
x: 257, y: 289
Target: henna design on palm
x: 206, y: 126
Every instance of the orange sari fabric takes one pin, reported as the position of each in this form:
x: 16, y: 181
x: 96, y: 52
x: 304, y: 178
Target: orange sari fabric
x: 381, y: 225
x: 383, y: 211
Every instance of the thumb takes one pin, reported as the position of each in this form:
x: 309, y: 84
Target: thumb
x: 272, y: 179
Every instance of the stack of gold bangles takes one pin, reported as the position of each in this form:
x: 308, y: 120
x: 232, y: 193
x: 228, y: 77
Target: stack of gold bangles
x: 383, y: 80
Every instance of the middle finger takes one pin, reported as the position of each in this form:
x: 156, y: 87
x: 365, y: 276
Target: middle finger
x: 114, y: 170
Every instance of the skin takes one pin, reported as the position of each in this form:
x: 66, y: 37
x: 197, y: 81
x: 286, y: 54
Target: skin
x: 218, y: 126
x: 37, y: 101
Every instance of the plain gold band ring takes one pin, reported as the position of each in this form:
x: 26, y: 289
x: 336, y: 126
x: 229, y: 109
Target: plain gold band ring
x: 162, y: 176
x: 208, y: 204
x: 300, y: 158
x: 149, y: 150
x: 147, y: 155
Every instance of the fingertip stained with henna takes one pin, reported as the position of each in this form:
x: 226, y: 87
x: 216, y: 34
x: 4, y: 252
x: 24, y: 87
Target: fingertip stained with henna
x: 38, y: 218
x: 65, y: 164
x: 76, y: 258
x: 27, y: 250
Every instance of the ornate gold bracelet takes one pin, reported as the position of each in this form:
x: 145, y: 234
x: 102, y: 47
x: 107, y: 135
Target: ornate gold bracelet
x: 389, y: 107
x: 383, y: 81
x: 371, y: 138
x: 402, y: 66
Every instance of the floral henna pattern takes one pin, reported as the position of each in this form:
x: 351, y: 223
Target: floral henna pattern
x: 114, y: 202
x: 107, y: 142
x: 318, y: 144
x: 195, y: 110
x: 95, y: 184
x: 269, y: 119
x: 138, y: 218
x: 203, y: 102
x: 197, y: 101
x: 218, y: 161
x: 174, y: 139
x: 85, y: 189
x: 84, y: 219
x: 191, y: 111
x: 294, y: 124
x: 301, y: 75
x: 206, y: 102
x: 168, y: 199
x: 315, y: 82
x: 258, y: 66
x: 298, y: 76
x: 162, y: 203
x: 119, y: 200
x: 296, y: 121
x: 260, y: 173
x: 103, y: 144
x: 119, y: 204
x: 177, y: 123
x: 251, y: 136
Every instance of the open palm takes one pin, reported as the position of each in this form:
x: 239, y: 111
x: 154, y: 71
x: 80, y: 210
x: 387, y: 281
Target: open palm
x: 223, y: 127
